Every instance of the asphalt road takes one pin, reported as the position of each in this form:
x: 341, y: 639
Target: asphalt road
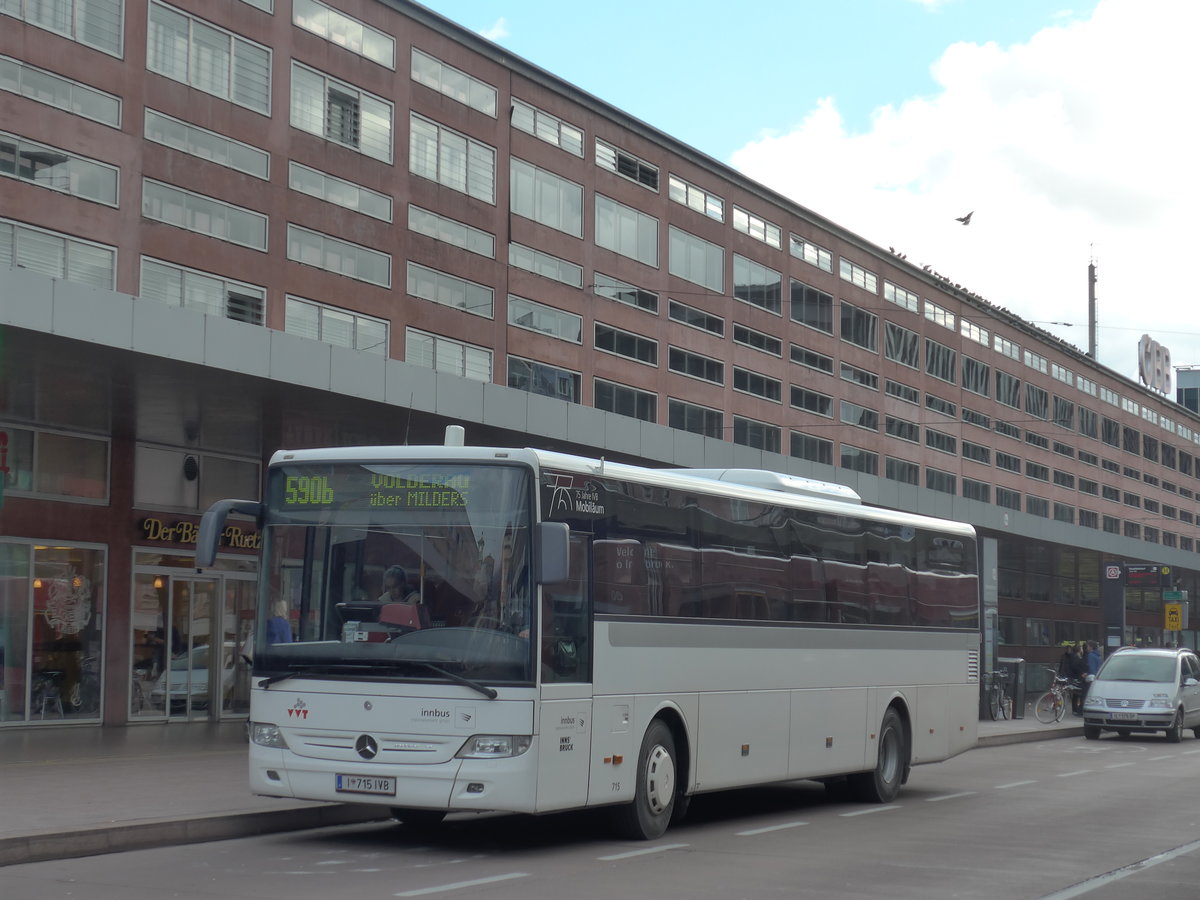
x: 1053, y: 819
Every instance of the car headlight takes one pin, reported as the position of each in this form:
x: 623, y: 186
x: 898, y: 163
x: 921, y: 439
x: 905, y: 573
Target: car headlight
x: 1093, y: 701
x: 1159, y: 703
x: 494, y: 746
x: 267, y: 735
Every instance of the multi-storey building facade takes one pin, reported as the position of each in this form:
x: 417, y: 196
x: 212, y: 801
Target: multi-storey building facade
x: 231, y: 226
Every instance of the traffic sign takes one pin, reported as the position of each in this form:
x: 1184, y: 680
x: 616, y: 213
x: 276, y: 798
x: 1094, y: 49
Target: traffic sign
x: 1173, y: 616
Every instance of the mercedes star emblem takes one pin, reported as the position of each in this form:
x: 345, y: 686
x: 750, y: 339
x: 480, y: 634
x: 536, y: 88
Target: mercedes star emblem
x: 366, y: 746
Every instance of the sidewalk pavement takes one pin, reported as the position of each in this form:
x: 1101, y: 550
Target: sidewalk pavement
x: 67, y: 792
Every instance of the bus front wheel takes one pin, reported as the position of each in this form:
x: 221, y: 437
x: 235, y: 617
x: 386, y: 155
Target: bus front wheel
x: 648, y: 816
x: 883, y: 783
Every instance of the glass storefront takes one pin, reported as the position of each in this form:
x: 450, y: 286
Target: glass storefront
x: 187, y: 634
x: 52, y: 605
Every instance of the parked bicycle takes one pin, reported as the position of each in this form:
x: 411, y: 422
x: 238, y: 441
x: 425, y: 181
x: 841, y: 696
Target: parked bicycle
x: 1052, y: 706
x: 999, y: 704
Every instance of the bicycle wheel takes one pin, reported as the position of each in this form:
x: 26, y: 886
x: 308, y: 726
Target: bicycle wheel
x: 1005, y: 706
x: 1060, y: 707
x: 994, y: 705
x: 1045, y: 710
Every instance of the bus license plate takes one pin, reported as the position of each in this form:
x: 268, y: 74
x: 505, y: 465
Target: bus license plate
x: 1124, y: 716
x: 366, y: 784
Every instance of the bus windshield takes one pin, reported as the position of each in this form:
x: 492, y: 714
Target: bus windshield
x: 409, y: 571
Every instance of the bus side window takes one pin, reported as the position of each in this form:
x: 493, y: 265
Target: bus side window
x: 566, y: 621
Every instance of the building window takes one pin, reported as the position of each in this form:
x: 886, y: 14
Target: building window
x: 207, y: 145
x: 211, y: 59
x: 1089, y: 519
x: 976, y: 490
x: 1037, y: 471
x: 625, y: 401
x: 210, y: 294
x: 626, y: 344
x: 756, y: 284
x: 859, y: 327
x: 941, y: 405
x: 748, y: 337
x: 623, y: 229
x: 312, y: 248
x: 937, y: 480
x: 451, y: 159
x: 859, y: 416
x: 811, y: 359
x: 204, y: 215
x: 814, y: 449
x: 973, y: 332
x: 1088, y: 423
x: 543, y: 126
x: 940, y: 361
x: 1064, y: 413
x: 694, y: 365
x: 760, y: 435
x: 810, y: 253
x: 446, y: 355
x: 96, y: 23
x: 1008, y: 390
x: 696, y: 260
x: 857, y: 275
x: 901, y: 345
x: 549, y: 199
x: 1037, y: 506
x: 539, y: 378
x: 976, y: 376
x: 901, y: 470
x: 56, y: 255
x: 56, y: 465
x: 340, y: 192
x: 696, y: 419
x: 940, y: 441
x: 811, y: 401
x: 548, y: 320
x: 757, y: 227
x: 1036, y: 362
x: 757, y: 384
x: 454, y: 83
x: 622, y: 292
x: 58, y: 170
x: 626, y: 165
x: 939, y: 315
x: 976, y: 418
x: 340, y: 327
x: 1037, y: 401
x: 341, y: 113
x: 1005, y: 347
x: 1008, y: 462
x: 855, y: 375
x: 1008, y: 499
x: 1008, y: 430
x: 696, y: 198
x: 451, y: 231
x: 347, y: 33
x: 449, y: 290
x: 539, y: 263
x: 902, y: 429
x: 977, y: 453
x: 812, y: 307
x: 901, y: 391
x: 902, y: 298
x: 856, y: 459
x: 62, y: 93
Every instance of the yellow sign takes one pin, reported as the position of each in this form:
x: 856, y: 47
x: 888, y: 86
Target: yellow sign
x: 1174, y: 616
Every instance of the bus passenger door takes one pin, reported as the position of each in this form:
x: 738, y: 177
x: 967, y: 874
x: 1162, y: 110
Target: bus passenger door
x: 565, y: 722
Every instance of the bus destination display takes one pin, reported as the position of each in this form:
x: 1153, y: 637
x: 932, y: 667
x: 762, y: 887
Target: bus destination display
x: 361, y: 488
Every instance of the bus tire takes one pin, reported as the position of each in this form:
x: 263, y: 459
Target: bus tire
x: 882, y: 783
x: 418, y: 818
x: 648, y: 816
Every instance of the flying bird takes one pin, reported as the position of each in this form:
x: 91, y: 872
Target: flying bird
x: 966, y: 220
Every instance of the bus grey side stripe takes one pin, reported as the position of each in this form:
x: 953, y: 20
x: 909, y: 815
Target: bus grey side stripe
x: 715, y: 636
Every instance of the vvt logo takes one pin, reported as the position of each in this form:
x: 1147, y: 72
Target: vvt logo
x: 298, y: 710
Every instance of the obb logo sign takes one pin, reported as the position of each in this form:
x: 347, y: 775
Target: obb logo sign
x: 1154, y: 364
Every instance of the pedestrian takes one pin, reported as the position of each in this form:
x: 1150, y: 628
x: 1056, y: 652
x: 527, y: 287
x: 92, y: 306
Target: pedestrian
x: 1073, y: 667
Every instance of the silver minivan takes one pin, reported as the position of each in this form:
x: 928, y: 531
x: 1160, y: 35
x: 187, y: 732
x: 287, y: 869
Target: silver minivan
x: 1141, y: 689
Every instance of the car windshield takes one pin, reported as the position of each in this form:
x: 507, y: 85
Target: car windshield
x: 1158, y: 669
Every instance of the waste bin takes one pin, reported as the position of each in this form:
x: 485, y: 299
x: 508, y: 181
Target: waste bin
x: 1014, y: 680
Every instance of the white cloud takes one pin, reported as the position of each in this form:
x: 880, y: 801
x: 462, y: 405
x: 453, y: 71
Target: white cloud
x: 1078, y: 142
x: 498, y: 30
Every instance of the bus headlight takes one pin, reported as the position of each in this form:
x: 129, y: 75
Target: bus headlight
x: 267, y: 735
x: 494, y: 746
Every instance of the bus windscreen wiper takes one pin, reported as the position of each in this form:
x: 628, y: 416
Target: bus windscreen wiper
x: 488, y: 692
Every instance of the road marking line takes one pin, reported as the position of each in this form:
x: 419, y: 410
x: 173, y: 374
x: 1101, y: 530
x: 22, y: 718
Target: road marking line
x: 1108, y: 878
x: 949, y: 797
x: 1190, y: 752
x: 459, y: 885
x: 754, y: 831
x: 1072, y: 774
x: 1013, y: 784
x: 646, y: 852
x: 867, y: 812
x: 1159, y: 758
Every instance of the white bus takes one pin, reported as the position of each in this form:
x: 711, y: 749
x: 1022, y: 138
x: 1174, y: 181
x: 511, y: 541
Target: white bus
x: 451, y: 628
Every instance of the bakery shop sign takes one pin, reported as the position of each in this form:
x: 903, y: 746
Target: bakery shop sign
x: 184, y: 532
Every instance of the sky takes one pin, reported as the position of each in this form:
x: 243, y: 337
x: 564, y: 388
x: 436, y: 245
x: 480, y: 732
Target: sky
x: 1067, y: 127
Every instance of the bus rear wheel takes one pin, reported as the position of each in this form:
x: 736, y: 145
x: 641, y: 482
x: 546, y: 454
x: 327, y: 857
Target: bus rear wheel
x: 881, y: 784
x: 648, y: 816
